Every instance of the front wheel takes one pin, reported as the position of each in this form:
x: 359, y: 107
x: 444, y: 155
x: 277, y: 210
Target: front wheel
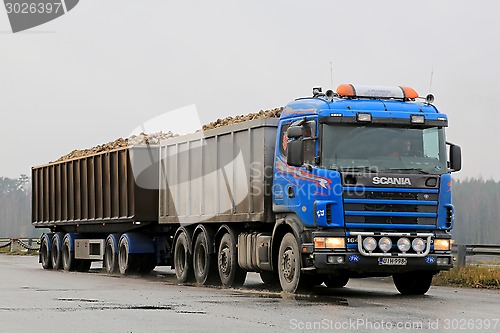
x: 413, y: 283
x: 289, y: 264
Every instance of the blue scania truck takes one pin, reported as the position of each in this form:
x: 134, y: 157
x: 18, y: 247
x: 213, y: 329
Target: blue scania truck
x: 347, y: 184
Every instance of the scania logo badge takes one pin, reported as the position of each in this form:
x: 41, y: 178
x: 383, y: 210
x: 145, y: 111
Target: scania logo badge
x: 391, y: 180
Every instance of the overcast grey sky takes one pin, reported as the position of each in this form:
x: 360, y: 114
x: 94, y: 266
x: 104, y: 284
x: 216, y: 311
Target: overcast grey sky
x: 104, y: 68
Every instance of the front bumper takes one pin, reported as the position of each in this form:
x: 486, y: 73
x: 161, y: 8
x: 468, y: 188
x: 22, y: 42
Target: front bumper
x: 355, y: 263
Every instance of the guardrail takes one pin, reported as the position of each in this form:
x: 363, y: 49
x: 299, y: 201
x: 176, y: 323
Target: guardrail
x: 464, y: 251
x: 20, y: 244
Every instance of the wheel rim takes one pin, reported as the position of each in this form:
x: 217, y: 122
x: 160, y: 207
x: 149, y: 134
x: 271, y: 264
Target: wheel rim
x: 224, y: 261
x: 288, y: 264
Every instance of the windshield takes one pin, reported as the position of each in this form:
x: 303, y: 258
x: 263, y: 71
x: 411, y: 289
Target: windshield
x: 383, y: 148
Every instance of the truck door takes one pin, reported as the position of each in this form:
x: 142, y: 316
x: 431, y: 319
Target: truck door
x: 291, y: 183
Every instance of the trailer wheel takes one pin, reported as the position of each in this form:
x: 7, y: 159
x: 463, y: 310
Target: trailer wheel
x: 204, y: 263
x: 336, y: 281
x: 110, y: 257
x: 126, y: 262
x: 69, y: 262
x: 230, y: 273
x: 56, y: 253
x: 45, y: 257
x: 289, y: 264
x: 413, y: 283
x: 182, y: 259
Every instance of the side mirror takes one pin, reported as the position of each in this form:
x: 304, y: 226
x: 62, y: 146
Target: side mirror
x: 294, y: 132
x: 455, y: 158
x: 295, y: 153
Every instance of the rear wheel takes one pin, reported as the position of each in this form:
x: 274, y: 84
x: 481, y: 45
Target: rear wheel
x: 55, y: 252
x: 182, y: 259
x: 69, y: 262
x: 45, y: 256
x: 127, y: 262
x: 230, y: 273
x: 413, y: 283
x: 204, y: 264
x: 110, y: 257
x: 289, y: 264
x: 336, y: 281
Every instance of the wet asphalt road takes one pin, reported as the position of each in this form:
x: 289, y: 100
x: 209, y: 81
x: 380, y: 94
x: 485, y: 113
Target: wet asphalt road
x: 32, y: 299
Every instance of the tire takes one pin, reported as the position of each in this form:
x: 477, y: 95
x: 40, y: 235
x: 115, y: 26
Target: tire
x: 182, y: 259
x: 289, y: 264
x: 69, y: 263
x: 45, y: 254
x: 110, y: 257
x: 56, y: 253
x: 230, y: 273
x: 413, y: 283
x: 335, y: 281
x: 204, y: 264
x: 127, y: 262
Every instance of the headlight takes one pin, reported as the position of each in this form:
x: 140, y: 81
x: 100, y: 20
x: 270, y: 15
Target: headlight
x: 329, y: 243
x: 404, y: 244
x: 418, y: 245
x: 335, y: 243
x: 385, y: 244
x: 441, y: 244
x: 369, y: 243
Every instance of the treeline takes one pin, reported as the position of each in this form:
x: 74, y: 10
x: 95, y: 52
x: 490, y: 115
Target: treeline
x: 477, y: 212
x: 476, y: 201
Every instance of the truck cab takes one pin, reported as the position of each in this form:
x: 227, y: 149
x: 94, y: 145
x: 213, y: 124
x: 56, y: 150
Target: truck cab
x: 364, y: 175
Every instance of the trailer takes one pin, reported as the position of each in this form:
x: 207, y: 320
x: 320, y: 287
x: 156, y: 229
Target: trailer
x: 347, y: 184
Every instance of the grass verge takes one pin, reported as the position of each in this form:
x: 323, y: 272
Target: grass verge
x: 471, y: 276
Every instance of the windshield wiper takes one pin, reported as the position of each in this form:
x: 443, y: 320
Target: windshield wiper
x: 408, y: 169
x: 359, y: 168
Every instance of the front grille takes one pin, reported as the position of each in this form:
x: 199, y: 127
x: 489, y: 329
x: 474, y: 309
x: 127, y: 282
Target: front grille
x: 391, y: 206
x: 361, y: 194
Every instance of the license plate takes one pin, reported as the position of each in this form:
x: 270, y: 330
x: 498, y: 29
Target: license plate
x: 392, y: 261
